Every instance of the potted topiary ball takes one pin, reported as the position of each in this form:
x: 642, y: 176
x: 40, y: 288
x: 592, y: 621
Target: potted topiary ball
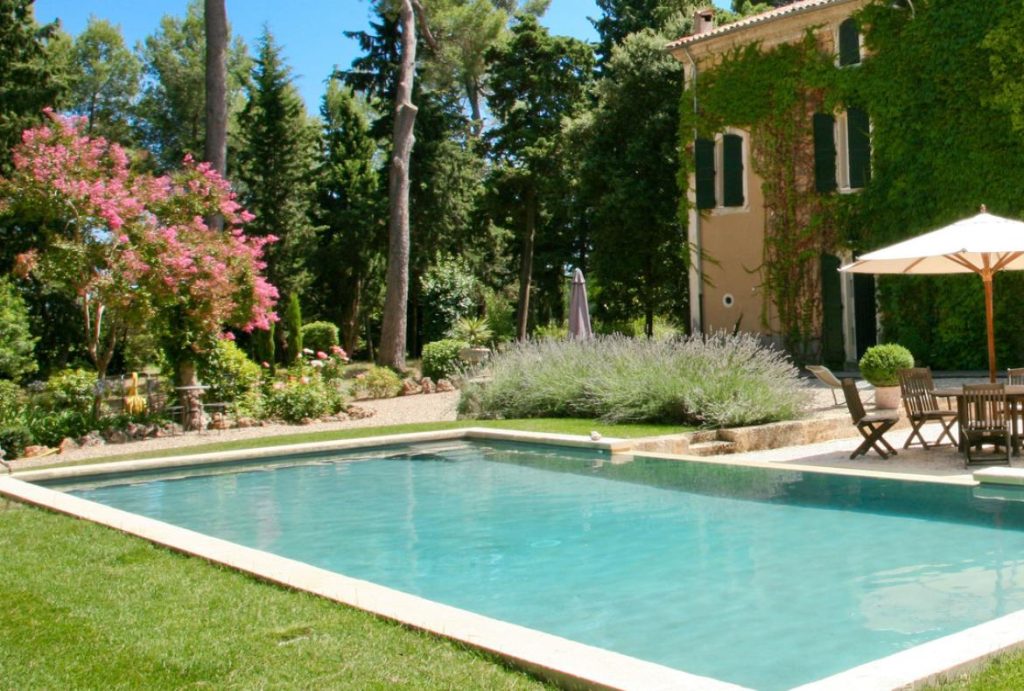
x: 879, y: 366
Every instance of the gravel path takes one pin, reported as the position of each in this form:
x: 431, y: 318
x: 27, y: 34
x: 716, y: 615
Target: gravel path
x: 436, y: 407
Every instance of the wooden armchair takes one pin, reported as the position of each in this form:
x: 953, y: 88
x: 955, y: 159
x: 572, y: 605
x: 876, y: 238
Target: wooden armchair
x: 986, y: 419
x: 870, y: 425
x: 917, y: 390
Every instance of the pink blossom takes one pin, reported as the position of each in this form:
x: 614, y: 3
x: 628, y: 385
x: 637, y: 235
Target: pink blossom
x: 227, y: 336
x: 265, y: 364
x: 321, y: 355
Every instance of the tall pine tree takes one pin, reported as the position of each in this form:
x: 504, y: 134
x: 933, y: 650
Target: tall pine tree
x: 350, y: 210
x: 276, y: 162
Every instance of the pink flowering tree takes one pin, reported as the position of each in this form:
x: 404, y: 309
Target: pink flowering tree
x: 132, y: 247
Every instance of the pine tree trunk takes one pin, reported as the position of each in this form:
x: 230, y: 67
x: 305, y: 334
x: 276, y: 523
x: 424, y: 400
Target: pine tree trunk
x: 392, y: 338
x: 526, y: 264
x: 216, y: 147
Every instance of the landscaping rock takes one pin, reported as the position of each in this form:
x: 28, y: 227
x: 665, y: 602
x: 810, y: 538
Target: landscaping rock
x: 409, y: 388
x: 219, y: 421
x: 115, y: 436
x: 444, y: 386
x: 427, y: 384
x: 93, y: 438
x: 341, y: 417
x: 357, y: 413
x: 67, y: 444
x: 36, y: 451
x: 246, y: 422
x: 306, y: 421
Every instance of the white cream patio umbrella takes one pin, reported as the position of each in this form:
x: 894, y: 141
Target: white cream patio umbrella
x: 984, y: 244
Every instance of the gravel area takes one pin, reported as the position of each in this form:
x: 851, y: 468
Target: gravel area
x: 436, y: 407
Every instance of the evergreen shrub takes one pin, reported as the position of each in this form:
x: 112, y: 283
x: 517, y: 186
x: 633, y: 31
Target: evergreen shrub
x: 303, y: 398
x: 880, y: 363
x: 320, y: 336
x: 441, y: 358
x: 379, y: 382
x: 714, y: 381
x: 230, y: 374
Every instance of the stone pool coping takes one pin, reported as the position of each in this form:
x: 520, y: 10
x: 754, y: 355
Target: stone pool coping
x: 551, y: 657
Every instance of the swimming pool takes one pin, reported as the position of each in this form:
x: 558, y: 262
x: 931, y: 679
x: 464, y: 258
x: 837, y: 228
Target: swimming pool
x: 767, y: 578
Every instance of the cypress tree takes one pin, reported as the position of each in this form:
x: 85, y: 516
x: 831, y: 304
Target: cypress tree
x: 275, y: 168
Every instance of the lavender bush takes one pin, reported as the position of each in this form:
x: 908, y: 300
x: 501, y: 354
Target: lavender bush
x: 714, y: 381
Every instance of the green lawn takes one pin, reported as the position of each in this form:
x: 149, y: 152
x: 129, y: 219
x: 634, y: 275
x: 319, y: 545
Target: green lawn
x: 551, y: 425
x: 1005, y: 673
x: 86, y: 607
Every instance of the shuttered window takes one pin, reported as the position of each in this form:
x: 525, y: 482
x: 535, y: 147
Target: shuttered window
x: 824, y: 152
x: 858, y: 134
x: 849, y: 43
x: 704, y: 153
x: 732, y: 170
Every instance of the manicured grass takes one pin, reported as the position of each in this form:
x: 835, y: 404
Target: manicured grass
x: 87, y: 607
x: 1005, y: 673
x: 550, y: 425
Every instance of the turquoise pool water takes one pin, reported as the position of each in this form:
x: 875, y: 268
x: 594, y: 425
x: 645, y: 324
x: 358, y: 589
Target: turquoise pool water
x: 759, y: 577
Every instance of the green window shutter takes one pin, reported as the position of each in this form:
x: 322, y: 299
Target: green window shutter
x: 704, y: 153
x: 858, y: 129
x: 849, y: 43
x: 732, y: 170
x: 824, y: 152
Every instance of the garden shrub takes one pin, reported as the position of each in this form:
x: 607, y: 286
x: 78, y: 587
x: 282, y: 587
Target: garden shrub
x: 229, y: 373
x: 379, y: 382
x: 320, y: 336
x: 441, y: 358
x: 12, y: 401
x: 49, y: 428
x: 14, y: 437
x: 16, y: 341
x: 293, y: 330
x: 550, y: 331
x: 715, y: 381
x: 448, y: 290
x: 307, y: 397
x: 69, y: 390
x: 880, y: 363
x: 501, y: 316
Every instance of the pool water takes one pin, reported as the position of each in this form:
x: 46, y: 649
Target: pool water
x: 766, y: 578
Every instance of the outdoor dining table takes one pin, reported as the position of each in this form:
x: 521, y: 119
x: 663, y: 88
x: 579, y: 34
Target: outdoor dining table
x: 1014, y: 396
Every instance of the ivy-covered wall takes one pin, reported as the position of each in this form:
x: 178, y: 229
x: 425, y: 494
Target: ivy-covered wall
x: 944, y: 88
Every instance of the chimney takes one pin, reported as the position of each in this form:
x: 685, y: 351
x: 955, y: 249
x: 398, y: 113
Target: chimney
x: 703, y: 21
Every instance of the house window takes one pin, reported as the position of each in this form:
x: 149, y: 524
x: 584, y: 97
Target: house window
x: 858, y: 143
x: 842, y: 151
x: 849, y: 43
x: 732, y: 170
x: 719, y: 172
x: 824, y: 127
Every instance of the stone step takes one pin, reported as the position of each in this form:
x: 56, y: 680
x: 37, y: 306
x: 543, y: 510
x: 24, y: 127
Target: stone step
x: 702, y: 435
x: 712, y: 448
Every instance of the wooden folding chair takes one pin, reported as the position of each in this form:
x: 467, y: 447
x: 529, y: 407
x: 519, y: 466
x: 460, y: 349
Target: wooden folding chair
x: 917, y: 391
x: 986, y: 419
x: 870, y: 425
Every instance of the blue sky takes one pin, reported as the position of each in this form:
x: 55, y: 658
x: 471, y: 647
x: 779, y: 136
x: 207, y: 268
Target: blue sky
x: 310, y: 31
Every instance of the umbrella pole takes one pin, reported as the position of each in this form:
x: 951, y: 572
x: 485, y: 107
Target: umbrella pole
x: 986, y: 277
